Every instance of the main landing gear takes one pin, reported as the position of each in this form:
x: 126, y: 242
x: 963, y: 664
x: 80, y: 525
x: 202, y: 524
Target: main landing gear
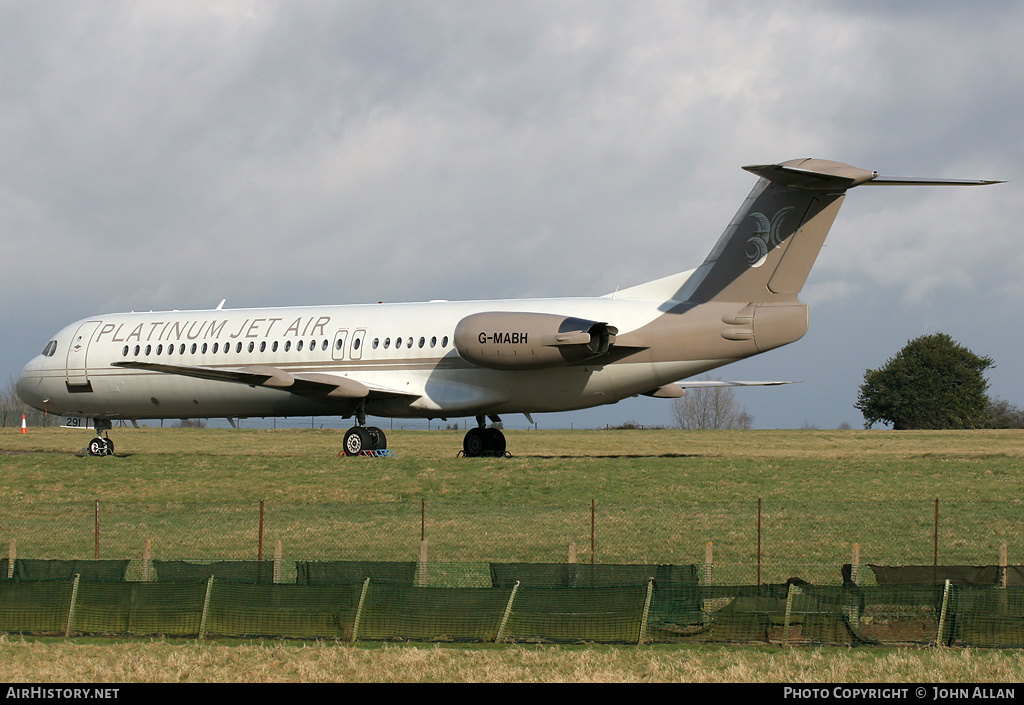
x: 101, y: 445
x: 362, y: 438
x: 483, y: 441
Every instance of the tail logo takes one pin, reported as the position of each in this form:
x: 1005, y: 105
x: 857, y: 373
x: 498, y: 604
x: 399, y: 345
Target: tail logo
x: 766, y: 236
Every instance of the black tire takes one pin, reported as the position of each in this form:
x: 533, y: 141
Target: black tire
x: 97, y: 446
x: 357, y: 439
x: 377, y: 438
x: 494, y: 441
x: 474, y: 443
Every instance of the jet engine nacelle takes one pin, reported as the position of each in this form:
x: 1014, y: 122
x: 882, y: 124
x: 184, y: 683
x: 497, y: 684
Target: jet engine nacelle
x: 524, y: 341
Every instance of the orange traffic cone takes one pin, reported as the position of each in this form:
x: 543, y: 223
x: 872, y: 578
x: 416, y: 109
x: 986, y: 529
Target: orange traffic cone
x: 24, y: 429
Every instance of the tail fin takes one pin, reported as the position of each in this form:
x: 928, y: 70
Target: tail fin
x: 766, y: 253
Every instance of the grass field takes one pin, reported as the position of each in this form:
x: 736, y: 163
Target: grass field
x: 660, y: 496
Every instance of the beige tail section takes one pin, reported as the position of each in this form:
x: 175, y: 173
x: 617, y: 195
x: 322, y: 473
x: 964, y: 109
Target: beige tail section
x: 771, y: 244
x: 767, y: 252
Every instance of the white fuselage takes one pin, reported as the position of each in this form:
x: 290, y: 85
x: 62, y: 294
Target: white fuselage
x: 405, y: 348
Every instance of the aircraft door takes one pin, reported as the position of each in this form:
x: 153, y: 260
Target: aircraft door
x: 338, y: 351
x: 77, y: 371
x: 357, y: 344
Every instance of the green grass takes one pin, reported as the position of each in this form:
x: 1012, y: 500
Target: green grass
x: 660, y: 496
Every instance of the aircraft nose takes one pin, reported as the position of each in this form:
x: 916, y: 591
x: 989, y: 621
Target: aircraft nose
x: 29, y: 384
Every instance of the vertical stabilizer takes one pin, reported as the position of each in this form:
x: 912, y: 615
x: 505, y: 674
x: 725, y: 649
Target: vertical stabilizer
x: 767, y: 251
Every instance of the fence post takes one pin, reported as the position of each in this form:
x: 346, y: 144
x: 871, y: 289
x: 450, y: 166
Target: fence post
x: 790, y: 594
x: 278, y: 554
x: 12, y: 555
x: 572, y: 552
x: 1003, y: 601
x: 935, y: 552
x: 423, y: 564
x: 96, y: 532
x: 206, y: 608
x: 855, y: 579
x: 647, y: 611
x: 508, y: 610
x: 706, y: 579
x: 359, y: 610
x: 259, y: 548
x: 758, y: 540
x: 942, y: 615
x: 591, y: 532
x: 71, y: 608
x: 147, y: 559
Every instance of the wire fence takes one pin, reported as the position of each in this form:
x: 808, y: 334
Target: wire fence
x: 748, y: 542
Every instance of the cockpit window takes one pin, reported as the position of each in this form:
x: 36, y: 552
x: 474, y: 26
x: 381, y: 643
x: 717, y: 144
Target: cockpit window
x: 50, y: 349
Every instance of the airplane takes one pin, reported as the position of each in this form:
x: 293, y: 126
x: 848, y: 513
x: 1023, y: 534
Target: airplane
x: 444, y: 359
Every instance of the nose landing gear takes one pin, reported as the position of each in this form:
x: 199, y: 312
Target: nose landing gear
x: 361, y: 438
x: 101, y: 445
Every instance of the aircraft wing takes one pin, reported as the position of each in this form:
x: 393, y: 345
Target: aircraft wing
x: 304, y: 383
x: 677, y: 389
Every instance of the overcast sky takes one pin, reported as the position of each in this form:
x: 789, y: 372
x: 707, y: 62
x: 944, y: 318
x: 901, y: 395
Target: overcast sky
x: 167, y: 155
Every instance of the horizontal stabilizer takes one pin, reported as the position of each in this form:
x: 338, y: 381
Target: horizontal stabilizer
x: 823, y: 175
x: 813, y: 174
x: 678, y: 389
x: 915, y: 181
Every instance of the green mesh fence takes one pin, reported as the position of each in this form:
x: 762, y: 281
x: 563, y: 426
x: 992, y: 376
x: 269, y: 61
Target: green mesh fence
x: 240, y: 571
x: 786, y: 613
x: 298, y: 611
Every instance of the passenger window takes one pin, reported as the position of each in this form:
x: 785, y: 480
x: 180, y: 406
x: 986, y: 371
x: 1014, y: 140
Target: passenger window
x: 193, y: 349
x: 355, y: 343
x: 238, y: 346
x: 204, y: 348
x: 444, y: 342
x: 252, y: 346
x: 287, y: 345
x: 216, y: 348
x: 398, y: 343
x: 433, y: 341
x: 160, y: 349
x: 149, y: 349
x: 387, y: 343
x: 323, y: 345
x: 137, y: 351
x: 273, y: 348
x: 298, y: 346
x: 263, y: 346
x: 375, y: 342
x: 124, y: 353
x: 423, y: 342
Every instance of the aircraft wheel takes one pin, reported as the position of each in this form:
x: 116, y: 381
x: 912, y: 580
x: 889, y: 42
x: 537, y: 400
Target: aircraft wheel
x: 377, y: 438
x: 357, y: 439
x: 109, y: 446
x: 474, y: 443
x: 97, y: 446
x: 494, y: 441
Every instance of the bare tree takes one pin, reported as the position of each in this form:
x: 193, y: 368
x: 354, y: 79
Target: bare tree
x: 710, y: 408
